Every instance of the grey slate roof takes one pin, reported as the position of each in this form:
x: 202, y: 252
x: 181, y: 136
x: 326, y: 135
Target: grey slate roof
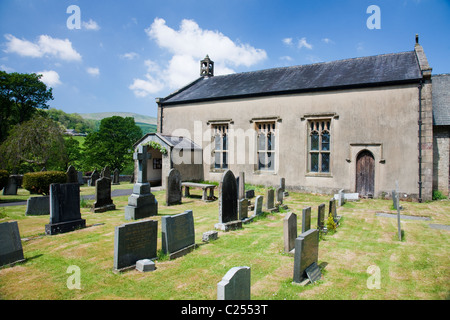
x: 174, y: 142
x: 365, y: 71
x: 441, y: 99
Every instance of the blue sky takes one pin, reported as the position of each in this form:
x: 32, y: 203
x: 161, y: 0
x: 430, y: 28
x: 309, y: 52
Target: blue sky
x: 127, y: 53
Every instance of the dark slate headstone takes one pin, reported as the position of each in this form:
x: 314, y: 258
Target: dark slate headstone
x: 10, y: 244
x: 228, y: 203
x: 306, y: 219
x: 283, y: 184
x: 65, y: 212
x: 235, y: 285
x: 289, y: 231
x: 103, y: 201
x: 94, y: 177
x: 38, y: 206
x: 173, y: 187
x: 270, y: 199
x: 11, y: 186
x: 321, y: 217
x: 72, y: 175
x: 243, y: 209
x: 116, y: 177
x: 80, y: 177
x: 313, y: 272
x: 249, y: 194
x: 134, y: 241
x: 106, y: 172
x: 306, y: 253
x: 178, y: 234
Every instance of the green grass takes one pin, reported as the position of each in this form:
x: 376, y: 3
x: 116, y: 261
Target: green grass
x: 414, y: 268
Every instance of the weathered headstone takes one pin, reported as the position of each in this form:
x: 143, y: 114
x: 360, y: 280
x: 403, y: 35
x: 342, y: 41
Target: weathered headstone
x: 10, y: 244
x: 94, y: 177
x: 235, y: 285
x: 306, y: 253
x: 173, y: 187
x: 106, y: 172
x: 38, y: 206
x: 306, y: 219
x: 270, y: 202
x: 332, y: 211
x: 313, y: 272
x: 228, y: 203
x: 103, y: 201
x: 178, y: 234
x: 321, y: 217
x: 141, y: 203
x: 134, y: 241
x: 80, y: 177
x: 279, y: 194
x: 72, y: 175
x: 241, y: 185
x: 243, y: 209
x: 209, y: 235
x: 11, y: 186
x: 283, y: 184
x: 258, y: 205
x: 65, y: 212
x: 289, y: 232
x: 116, y: 177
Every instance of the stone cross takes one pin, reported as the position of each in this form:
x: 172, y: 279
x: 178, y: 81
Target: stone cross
x: 142, y: 156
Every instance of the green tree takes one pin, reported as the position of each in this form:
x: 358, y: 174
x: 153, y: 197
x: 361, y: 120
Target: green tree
x: 21, y: 94
x: 112, y: 144
x: 34, y: 144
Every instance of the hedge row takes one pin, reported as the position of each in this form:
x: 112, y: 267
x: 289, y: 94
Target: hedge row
x: 39, y: 182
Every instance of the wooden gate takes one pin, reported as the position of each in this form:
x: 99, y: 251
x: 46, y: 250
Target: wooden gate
x: 365, y: 174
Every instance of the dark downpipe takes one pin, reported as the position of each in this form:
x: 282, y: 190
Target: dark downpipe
x: 420, y: 141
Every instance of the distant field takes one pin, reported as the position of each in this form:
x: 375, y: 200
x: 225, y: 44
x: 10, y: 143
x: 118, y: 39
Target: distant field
x: 137, y: 117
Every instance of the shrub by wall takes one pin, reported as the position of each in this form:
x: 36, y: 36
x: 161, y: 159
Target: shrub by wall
x: 39, y: 182
x: 3, y: 178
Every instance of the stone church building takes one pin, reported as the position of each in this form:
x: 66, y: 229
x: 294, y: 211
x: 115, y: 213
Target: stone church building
x: 356, y: 124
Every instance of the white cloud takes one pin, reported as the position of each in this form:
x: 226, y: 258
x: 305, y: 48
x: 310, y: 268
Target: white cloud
x: 328, y: 41
x: 287, y: 41
x: 46, y: 46
x: 90, y: 25
x: 303, y: 44
x: 50, y: 78
x: 6, y: 68
x: 93, y: 71
x: 188, y: 46
x: 286, y: 58
x: 129, y: 55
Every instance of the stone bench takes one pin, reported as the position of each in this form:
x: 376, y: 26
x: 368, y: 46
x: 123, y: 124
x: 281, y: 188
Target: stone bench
x: 205, y: 187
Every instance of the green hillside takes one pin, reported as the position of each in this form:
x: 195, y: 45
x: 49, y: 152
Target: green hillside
x: 138, y: 118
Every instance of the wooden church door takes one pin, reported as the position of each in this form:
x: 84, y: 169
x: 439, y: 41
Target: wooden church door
x: 365, y: 173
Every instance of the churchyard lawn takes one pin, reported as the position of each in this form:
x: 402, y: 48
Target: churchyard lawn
x: 415, y: 268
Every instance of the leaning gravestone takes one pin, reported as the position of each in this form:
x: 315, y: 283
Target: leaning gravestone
x: 134, y: 241
x: 306, y: 253
x: 235, y: 285
x: 228, y: 205
x: 94, y: 177
x: 10, y: 244
x: 270, y: 203
x: 72, y: 175
x: 289, y: 232
x: 65, y: 212
x: 321, y: 217
x: 141, y: 203
x: 178, y: 234
x: 306, y: 219
x: 258, y: 205
x: 38, y: 206
x: 11, y: 186
x: 103, y: 201
x: 173, y: 187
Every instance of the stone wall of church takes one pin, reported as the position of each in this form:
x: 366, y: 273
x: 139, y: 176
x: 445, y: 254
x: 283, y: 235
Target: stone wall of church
x: 441, y: 161
x: 382, y: 120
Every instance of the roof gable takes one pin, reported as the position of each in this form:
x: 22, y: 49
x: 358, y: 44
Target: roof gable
x: 365, y: 71
x: 441, y: 99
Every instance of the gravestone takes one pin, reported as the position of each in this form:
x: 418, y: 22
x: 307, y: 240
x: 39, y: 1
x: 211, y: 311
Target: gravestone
x: 258, y: 205
x: 321, y: 217
x: 209, y: 235
x: 80, y: 177
x: 270, y: 203
x: 241, y: 185
x: 145, y: 265
x: 306, y: 219
x: 173, y: 187
x: 279, y: 194
x: 10, y: 244
x: 235, y: 285
x: 134, y: 241
x: 332, y: 211
x: 283, y: 184
x: 313, y: 272
x: 38, y: 206
x: 65, y: 212
x: 72, y: 175
x: 11, y: 186
x: 243, y: 209
x: 141, y: 203
x: 178, y: 234
x: 103, y: 201
x: 249, y: 194
x: 289, y: 232
x: 106, y: 172
x: 306, y: 253
x: 94, y: 177
x: 116, y: 177
x: 228, y: 204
